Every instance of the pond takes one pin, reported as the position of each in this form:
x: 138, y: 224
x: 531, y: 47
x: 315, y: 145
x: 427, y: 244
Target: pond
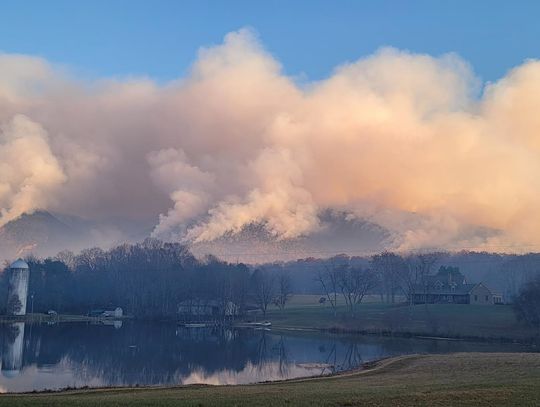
x: 43, y: 356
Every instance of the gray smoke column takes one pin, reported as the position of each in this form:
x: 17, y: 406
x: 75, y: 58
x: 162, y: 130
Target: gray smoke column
x: 18, y: 288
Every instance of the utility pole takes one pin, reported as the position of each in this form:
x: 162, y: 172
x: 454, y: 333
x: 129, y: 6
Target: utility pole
x: 32, y: 303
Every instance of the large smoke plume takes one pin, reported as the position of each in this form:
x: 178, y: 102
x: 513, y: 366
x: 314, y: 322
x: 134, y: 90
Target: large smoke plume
x: 412, y: 142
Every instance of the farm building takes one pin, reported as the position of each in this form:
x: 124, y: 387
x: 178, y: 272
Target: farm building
x: 18, y: 288
x: 207, y: 309
x: 450, y: 286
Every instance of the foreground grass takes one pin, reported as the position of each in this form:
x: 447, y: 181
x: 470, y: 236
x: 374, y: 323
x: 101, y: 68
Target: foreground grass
x: 464, y: 379
x: 473, y: 321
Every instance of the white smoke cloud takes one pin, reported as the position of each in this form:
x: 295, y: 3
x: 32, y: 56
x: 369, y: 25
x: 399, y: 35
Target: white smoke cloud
x: 277, y: 199
x: 189, y: 188
x: 29, y: 172
x: 409, y: 141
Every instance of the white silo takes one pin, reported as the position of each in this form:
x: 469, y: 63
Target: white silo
x: 18, y: 288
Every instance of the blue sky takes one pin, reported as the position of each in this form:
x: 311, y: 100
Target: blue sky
x: 160, y: 38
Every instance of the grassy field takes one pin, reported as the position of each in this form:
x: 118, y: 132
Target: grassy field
x: 464, y: 379
x: 473, y: 321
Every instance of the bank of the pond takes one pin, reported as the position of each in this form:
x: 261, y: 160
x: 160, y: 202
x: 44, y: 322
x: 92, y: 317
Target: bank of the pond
x: 463, y: 379
x: 449, y: 321
x: 56, y: 318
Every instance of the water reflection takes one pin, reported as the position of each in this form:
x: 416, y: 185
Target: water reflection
x: 12, y: 349
x: 36, y: 357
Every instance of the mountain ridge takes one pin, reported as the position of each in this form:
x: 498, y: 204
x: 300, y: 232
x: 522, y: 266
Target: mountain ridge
x: 43, y: 233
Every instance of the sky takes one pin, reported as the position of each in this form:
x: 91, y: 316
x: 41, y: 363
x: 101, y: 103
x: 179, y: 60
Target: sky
x: 310, y: 38
x: 205, y: 118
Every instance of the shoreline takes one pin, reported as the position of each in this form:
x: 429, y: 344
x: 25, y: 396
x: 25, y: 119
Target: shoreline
x: 45, y: 318
x: 375, y: 371
x: 71, y: 318
x: 410, y: 335
x: 366, y: 367
x: 473, y: 379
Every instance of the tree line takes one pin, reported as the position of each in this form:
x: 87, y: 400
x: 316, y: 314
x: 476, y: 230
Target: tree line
x: 151, y: 278
x: 147, y: 280
x: 388, y: 275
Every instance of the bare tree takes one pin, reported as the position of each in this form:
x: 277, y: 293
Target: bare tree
x: 388, y: 267
x: 263, y: 289
x: 527, y: 304
x: 328, y: 278
x: 414, y: 276
x: 67, y: 257
x: 426, y: 263
x: 517, y: 272
x: 284, y: 290
x: 354, y: 283
x: 14, y: 305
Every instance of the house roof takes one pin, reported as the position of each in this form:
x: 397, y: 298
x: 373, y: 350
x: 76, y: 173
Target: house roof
x: 447, y: 275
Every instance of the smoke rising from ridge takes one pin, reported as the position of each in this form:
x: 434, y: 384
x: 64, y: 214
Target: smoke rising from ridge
x: 401, y: 139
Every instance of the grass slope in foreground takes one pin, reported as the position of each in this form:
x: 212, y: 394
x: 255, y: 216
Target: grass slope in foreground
x: 463, y: 379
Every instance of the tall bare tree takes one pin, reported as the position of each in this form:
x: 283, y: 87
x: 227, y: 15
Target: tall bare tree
x: 354, y: 284
x: 263, y: 283
x: 388, y: 267
x: 419, y: 267
x: 284, y: 289
x: 328, y: 278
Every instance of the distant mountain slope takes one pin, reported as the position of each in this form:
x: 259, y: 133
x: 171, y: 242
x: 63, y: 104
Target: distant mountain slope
x: 38, y: 233
x: 339, y: 234
x: 44, y: 234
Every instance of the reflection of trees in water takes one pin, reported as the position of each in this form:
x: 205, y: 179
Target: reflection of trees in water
x: 283, y: 359
x: 163, y: 354
x: 331, y: 360
x: 272, y: 357
x: 262, y: 348
x: 352, y: 358
x: 159, y: 354
x: 11, y: 331
x: 259, y: 365
x: 143, y: 353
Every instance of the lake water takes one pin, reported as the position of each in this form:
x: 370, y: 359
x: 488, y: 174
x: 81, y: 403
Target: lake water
x: 42, y: 356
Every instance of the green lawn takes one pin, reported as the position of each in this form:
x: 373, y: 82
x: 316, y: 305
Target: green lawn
x: 464, y: 379
x: 479, y: 321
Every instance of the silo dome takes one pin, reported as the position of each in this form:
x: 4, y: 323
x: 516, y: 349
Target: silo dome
x: 19, y: 264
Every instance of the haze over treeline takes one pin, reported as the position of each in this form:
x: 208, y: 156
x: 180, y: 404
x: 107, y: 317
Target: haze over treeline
x: 413, y: 143
x: 151, y: 279
x: 148, y: 279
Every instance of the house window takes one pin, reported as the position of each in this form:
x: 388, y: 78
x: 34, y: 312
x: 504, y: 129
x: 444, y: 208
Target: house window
x: 487, y: 297
x: 476, y: 297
